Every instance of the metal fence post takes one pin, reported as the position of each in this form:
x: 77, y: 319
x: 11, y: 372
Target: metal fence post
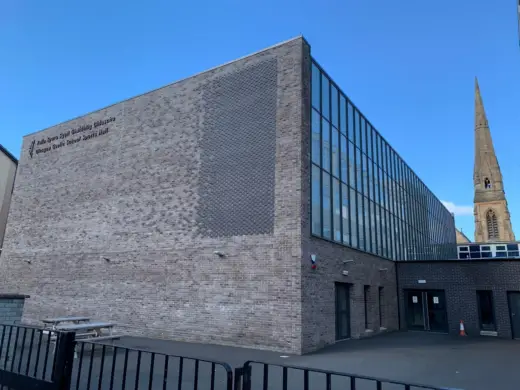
x: 64, y: 359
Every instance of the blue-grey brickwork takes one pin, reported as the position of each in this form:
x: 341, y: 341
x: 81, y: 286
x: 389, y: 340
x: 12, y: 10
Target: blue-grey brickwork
x: 238, y: 147
x: 460, y: 280
x: 11, y: 308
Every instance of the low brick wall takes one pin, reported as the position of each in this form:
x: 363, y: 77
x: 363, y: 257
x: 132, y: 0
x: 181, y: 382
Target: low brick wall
x: 11, y: 308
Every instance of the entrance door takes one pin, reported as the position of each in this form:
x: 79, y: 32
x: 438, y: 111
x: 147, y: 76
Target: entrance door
x: 426, y: 310
x: 342, y: 311
x: 514, y: 312
x: 437, y: 318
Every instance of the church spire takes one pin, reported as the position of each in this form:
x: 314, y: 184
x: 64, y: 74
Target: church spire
x: 492, y: 220
x: 486, y: 163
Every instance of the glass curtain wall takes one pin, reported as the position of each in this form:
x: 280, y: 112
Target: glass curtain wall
x: 363, y: 194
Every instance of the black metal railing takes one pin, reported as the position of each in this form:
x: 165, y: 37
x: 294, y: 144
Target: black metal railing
x: 102, y: 366
x: 263, y: 376
x: 33, y: 358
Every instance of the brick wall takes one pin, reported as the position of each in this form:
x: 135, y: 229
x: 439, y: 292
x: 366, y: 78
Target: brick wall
x: 123, y: 225
x: 318, y: 292
x: 460, y: 280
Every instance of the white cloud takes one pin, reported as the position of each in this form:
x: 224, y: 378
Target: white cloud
x: 457, y: 209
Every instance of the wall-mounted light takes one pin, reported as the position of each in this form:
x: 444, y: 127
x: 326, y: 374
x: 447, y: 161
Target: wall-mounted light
x: 313, y: 261
x: 383, y: 269
x: 347, y: 261
x: 219, y: 254
x: 344, y: 273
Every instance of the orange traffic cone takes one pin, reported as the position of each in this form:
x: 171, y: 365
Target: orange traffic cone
x: 462, y: 330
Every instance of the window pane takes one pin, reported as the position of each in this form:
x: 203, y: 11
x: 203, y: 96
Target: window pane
x: 361, y: 222
x: 369, y: 141
x: 350, y: 122
x: 365, y: 174
x: 326, y: 206
x: 325, y: 144
x: 344, y: 161
x: 366, y: 213
x: 325, y: 102
x: 357, y: 137
x: 316, y: 206
x: 344, y: 213
x: 359, y: 170
x: 334, y: 105
x: 343, y: 114
x: 379, y: 250
x: 353, y: 219
x: 370, y: 176
x: 362, y: 135
x: 316, y: 149
x: 337, y: 207
x: 335, y: 152
x: 315, y: 87
x: 352, y: 165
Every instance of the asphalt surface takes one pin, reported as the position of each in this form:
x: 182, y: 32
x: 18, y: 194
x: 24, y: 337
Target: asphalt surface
x: 430, y: 359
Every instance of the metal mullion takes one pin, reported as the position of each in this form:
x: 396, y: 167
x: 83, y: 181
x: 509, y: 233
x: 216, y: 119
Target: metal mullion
x: 378, y: 196
x: 369, y: 247
x: 321, y: 158
x: 331, y: 186
x: 362, y: 192
x: 390, y: 200
x: 340, y: 177
x: 374, y: 250
x: 355, y: 173
x: 400, y: 195
x: 348, y: 171
x: 363, y: 189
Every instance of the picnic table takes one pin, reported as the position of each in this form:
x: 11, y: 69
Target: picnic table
x: 89, y: 329
x: 82, y: 326
x: 54, y: 322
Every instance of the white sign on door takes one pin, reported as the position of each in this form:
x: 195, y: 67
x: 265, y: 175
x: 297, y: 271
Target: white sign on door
x: 414, y: 299
x: 435, y: 300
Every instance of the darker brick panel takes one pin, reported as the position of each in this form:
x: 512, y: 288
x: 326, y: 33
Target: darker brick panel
x: 238, y: 150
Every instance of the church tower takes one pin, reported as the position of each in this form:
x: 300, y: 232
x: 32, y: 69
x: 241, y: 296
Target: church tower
x: 492, y: 219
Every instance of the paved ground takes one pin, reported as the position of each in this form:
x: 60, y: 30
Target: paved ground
x: 433, y: 359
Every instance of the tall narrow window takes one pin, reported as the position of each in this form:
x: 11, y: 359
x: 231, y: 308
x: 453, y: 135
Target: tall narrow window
x: 487, y: 183
x: 381, y: 303
x: 366, y: 291
x: 485, y: 310
x: 492, y: 224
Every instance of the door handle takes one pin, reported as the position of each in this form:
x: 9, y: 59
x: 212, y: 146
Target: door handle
x: 513, y: 314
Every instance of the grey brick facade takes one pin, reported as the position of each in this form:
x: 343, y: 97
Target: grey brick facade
x: 460, y: 280
x: 117, y: 215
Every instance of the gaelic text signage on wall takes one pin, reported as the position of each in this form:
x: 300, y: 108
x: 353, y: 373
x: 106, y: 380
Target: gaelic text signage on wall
x: 70, y: 137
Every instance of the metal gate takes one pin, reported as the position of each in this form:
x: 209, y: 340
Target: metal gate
x: 30, y: 358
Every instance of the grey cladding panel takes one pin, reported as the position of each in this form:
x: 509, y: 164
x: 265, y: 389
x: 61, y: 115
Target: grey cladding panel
x: 238, y: 150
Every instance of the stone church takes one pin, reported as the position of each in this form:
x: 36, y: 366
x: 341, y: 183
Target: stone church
x: 492, y: 218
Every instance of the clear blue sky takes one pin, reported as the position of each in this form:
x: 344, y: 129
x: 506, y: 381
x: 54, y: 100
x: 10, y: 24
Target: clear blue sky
x: 409, y: 66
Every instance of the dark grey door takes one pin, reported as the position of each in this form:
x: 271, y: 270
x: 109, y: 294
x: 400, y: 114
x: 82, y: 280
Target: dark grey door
x: 415, y: 310
x: 514, y: 312
x: 342, y: 311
